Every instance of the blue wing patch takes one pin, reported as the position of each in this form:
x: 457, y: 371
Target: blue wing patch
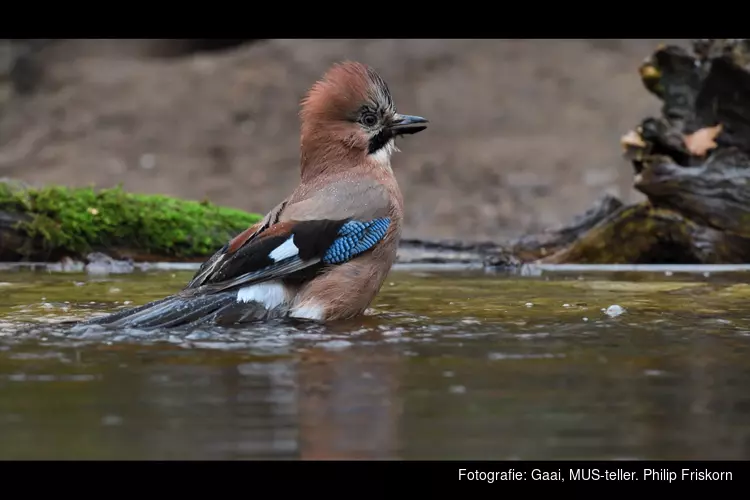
x: 354, y: 238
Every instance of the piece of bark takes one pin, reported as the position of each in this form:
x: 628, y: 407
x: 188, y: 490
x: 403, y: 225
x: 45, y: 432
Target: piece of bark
x: 716, y: 194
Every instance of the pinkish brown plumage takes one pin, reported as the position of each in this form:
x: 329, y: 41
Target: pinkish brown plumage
x: 323, y: 252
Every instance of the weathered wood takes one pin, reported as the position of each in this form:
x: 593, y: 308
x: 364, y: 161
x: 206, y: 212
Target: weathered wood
x: 716, y: 194
x: 692, y: 163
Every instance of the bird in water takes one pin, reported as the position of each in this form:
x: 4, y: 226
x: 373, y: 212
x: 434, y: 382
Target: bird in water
x: 322, y: 253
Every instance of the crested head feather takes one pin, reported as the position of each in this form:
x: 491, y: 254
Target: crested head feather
x: 341, y: 91
x: 345, y: 121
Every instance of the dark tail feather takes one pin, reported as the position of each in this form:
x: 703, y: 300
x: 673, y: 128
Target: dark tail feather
x: 165, y: 313
x: 235, y: 313
x: 112, y: 319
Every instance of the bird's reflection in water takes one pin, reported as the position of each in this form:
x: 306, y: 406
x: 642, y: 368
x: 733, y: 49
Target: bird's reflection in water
x: 349, y: 403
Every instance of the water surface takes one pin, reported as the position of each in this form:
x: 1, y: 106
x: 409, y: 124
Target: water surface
x: 447, y: 365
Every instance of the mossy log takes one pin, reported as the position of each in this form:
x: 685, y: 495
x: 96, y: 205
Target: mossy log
x: 49, y: 223
x: 532, y: 247
x: 692, y: 163
x: 644, y: 234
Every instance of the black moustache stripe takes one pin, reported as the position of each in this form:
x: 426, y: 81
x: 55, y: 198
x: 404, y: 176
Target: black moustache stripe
x: 379, y: 141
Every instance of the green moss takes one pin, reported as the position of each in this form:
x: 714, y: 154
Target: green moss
x: 79, y: 220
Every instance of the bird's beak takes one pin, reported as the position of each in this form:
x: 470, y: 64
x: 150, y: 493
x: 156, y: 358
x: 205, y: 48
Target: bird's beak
x: 406, y: 124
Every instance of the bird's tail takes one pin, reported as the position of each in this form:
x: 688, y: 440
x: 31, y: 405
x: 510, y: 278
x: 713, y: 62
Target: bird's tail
x: 176, y: 310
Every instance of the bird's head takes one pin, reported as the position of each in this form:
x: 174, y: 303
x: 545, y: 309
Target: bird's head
x: 349, y: 116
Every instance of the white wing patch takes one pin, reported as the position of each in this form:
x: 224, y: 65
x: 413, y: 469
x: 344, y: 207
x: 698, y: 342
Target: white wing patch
x: 285, y: 250
x: 271, y: 294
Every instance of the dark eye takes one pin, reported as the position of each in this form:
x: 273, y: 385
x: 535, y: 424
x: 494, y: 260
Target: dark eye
x: 369, y: 119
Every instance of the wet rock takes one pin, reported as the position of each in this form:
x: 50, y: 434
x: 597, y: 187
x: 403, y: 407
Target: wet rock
x: 102, y: 264
x: 614, y: 310
x: 66, y: 265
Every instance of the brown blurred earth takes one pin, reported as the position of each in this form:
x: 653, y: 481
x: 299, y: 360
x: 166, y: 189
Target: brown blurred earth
x: 524, y: 133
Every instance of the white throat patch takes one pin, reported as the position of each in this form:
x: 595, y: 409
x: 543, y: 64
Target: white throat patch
x: 383, y: 155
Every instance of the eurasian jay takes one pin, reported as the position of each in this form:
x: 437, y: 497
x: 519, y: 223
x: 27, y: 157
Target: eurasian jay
x: 323, y: 253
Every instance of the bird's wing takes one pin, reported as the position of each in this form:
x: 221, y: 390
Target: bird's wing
x: 289, y: 247
x: 280, y: 251
x: 353, y: 213
x: 324, y: 212
x: 218, y: 259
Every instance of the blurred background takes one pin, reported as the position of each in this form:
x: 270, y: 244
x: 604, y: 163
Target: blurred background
x: 524, y: 134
